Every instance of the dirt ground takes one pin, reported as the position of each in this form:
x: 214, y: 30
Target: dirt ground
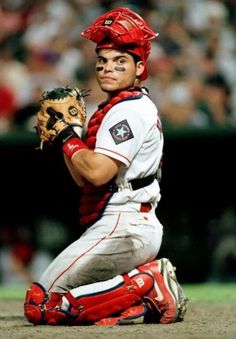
x: 201, y: 321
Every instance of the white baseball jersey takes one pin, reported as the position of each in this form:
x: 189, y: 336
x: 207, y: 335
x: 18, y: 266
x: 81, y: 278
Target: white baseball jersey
x: 130, y: 133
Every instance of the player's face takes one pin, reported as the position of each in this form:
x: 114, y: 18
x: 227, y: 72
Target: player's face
x: 116, y: 70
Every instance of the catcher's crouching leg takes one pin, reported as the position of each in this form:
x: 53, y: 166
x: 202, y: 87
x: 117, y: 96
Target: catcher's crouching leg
x: 87, y: 304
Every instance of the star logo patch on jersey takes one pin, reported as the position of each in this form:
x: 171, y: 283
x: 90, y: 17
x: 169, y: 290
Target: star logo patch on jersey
x: 121, y: 132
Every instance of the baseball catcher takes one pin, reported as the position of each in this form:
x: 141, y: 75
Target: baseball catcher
x: 111, y: 274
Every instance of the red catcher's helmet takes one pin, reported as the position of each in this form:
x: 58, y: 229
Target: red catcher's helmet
x: 123, y: 29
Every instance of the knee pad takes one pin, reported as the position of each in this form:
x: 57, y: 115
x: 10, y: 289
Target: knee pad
x: 35, y: 297
x: 39, y: 307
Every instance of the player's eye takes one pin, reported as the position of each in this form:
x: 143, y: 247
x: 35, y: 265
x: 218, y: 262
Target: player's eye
x: 101, y: 60
x: 121, y: 61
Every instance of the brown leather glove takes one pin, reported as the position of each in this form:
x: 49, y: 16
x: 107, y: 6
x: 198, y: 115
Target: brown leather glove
x: 61, y: 116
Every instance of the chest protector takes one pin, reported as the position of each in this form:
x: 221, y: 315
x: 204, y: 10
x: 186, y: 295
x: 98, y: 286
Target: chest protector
x: 95, y: 199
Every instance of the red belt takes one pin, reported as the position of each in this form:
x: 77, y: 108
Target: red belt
x: 145, y: 207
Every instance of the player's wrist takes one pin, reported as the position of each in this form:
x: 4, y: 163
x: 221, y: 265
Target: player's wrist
x: 72, y: 146
x: 65, y: 135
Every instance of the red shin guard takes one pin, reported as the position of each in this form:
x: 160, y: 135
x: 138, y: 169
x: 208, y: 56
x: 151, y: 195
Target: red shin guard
x: 87, y: 305
x: 106, y: 303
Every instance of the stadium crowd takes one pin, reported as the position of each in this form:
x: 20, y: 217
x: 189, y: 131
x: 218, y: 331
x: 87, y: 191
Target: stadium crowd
x: 192, y: 65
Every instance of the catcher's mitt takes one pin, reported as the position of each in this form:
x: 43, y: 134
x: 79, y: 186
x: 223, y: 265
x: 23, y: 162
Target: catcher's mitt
x: 62, y: 114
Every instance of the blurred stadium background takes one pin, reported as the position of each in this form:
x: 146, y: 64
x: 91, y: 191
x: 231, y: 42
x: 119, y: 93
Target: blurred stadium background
x: 193, y: 82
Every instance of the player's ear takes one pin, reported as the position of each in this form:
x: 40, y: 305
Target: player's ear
x: 139, y: 68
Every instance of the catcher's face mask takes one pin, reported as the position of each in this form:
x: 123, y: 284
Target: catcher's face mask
x: 124, y: 30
